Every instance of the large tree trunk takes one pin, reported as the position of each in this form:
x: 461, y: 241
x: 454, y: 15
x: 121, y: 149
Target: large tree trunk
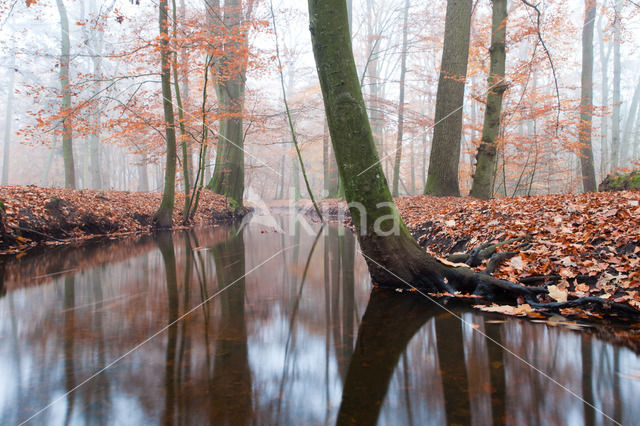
x: 589, y: 183
x: 163, y: 217
x: 442, y: 178
x: 615, y: 124
x: 403, y: 73
x: 482, y: 186
x: 394, y: 258
x: 65, y: 112
x: 228, y: 174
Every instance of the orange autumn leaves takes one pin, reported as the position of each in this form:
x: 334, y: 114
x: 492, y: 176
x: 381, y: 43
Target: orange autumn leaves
x: 585, y: 244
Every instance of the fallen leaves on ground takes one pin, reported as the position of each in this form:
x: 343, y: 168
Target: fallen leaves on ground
x: 586, y: 244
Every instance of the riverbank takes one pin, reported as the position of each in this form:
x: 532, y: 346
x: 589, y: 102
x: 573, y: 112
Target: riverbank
x: 580, y: 245
x: 31, y: 215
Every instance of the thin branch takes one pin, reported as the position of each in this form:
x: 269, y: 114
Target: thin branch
x: 553, y: 68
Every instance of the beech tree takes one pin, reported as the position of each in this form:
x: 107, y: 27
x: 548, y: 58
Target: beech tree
x: 482, y: 186
x: 403, y: 73
x: 586, y: 103
x: 442, y: 177
x: 163, y: 217
x: 228, y: 174
x: 394, y: 258
x: 65, y: 87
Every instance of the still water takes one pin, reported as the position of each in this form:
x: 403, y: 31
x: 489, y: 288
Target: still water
x: 262, y: 327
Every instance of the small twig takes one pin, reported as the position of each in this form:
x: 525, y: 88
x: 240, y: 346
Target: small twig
x: 33, y: 231
x: 553, y: 68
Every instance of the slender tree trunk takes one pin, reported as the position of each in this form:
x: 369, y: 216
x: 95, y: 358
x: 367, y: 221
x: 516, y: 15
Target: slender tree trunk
x: 403, y: 72
x: 163, y: 217
x: 374, y: 79
x: 65, y: 110
x: 183, y: 133
x: 143, y: 176
x: 7, y: 121
x: 617, y: 66
x: 604, y: 119
x: 228, y: 174
x: 589, y: 183
x: 482, y: 186
x: 442, y: 178
x: 636, y: 138
x: 627, y: 134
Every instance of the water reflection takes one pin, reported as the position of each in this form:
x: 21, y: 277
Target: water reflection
x: 300, y: 340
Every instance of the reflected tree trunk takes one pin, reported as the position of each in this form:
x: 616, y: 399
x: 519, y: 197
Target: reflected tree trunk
x: 380, y: 343
x: 69, y: 335
x: 230, y: 392
x: 455, y: 382
x: 165, y: 244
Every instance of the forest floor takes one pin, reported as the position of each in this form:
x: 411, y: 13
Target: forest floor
x: 576, y: 245
x: 31, y: 215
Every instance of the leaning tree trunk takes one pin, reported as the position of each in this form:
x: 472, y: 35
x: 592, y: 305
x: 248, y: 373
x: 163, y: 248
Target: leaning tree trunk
x: 228, y: 174
x: 65, y: 109
x: 589, y: 183
x: 482, y: 186
x: 442, y: 178
x: 403, y: 73
x: 394, y: 258
x: 163, y: 217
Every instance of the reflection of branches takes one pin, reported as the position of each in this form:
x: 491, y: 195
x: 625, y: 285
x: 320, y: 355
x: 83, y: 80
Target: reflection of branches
x: 553, y: 68
x: 292, y: 323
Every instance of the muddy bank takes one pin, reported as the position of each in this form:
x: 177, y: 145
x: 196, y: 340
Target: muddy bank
x: 32, y: 216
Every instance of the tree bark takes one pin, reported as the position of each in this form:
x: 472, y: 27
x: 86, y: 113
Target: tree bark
x: 604, y: 119
x: 589, y: 183
x: 228, y: 174
x: 403, y: 72
x: 163, y: 217
x: 65, y: 109
x: 393, y: 256
x: 482, y: 186
x: 617, y: 66
x: 442, y: 177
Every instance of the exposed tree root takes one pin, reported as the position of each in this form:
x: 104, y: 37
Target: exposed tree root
x: 602, y: 305
x: 476, y: 255
x: 531, y: 289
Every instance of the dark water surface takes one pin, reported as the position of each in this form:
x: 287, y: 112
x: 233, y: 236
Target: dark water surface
x: 301, y: 339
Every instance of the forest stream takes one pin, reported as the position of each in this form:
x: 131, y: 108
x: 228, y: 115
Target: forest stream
x: 257, y: 325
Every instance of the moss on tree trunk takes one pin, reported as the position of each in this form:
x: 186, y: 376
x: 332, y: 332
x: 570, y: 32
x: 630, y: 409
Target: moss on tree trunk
x: 482, y: 186
x: 163, y: 217
x: 228, y: 174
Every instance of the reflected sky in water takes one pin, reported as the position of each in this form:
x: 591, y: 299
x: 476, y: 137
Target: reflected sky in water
x: 302, y: 339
